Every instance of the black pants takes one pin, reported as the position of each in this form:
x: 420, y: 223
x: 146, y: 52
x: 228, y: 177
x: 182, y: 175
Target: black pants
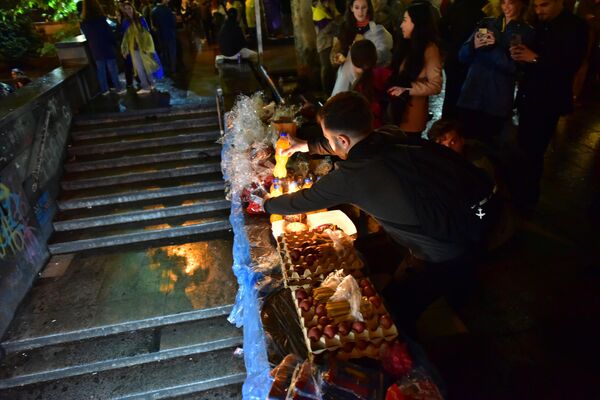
x: 480, y: 125
x: 536, y: 128
x: 421, y: 283
x: 455, y: 77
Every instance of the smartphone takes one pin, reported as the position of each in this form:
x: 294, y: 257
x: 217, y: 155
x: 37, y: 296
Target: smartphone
x: 516, y: 40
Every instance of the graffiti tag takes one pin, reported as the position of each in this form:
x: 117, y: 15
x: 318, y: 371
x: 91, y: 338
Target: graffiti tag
x: 16, y: 235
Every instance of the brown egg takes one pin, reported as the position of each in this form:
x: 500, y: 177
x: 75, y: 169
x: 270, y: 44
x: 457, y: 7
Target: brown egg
x: 376, y: 301
x: 330, y: 331
x: 358, y: 326
x: 368, y: 291
x: 364, y: 282
x: 310, y: 259
x: 295, y: 255
x: 385, y: 321
x: 314, y: 333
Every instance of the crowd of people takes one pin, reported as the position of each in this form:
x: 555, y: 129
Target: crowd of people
x: 415, y: 191
x: 488, y: 51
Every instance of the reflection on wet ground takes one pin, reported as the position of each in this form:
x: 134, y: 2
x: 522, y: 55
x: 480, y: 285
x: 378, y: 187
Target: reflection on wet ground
x: 103, y: 288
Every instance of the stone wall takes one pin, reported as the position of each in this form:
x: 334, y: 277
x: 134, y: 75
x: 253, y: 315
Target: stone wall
x: 34, y: 130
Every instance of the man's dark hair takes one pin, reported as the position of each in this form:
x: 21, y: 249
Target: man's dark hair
x: 443, y: 126
x: 348, y: 113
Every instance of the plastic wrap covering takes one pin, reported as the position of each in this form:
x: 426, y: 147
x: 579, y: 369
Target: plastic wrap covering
x: 285, y: 332
x: 249, y: 146
x: 246, y: 311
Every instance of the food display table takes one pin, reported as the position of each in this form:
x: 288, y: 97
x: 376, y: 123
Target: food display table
x: 314, y: 326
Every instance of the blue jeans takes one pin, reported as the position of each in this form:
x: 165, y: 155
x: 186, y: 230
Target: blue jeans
x: 101, y: 66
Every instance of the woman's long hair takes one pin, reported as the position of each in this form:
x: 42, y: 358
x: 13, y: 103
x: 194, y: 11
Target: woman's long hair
x: 364, y: 56
x: 348, y: 28
x: 91, y: 9
x: 411, y: 51
x: 135, y: 18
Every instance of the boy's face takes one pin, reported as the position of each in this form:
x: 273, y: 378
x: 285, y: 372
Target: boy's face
x: 453, y: 141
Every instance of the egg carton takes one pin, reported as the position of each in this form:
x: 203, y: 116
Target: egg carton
x: 353, y: 344
x: 305, y: 268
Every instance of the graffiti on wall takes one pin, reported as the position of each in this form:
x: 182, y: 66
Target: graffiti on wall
x: 16, y: 236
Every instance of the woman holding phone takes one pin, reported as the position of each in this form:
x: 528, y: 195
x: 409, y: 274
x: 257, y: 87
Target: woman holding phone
x: 487, y: 96
x: 416, y: 69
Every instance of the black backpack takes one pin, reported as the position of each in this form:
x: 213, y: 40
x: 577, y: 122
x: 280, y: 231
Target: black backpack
x: 454, y: 200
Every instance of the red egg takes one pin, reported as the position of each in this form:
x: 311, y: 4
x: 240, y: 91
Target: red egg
x: 321, y: 310
x: 323, y: 320
x: 314, y: 333
x: 344, y: 328
x: 376, y: 301
x: 385, y: 321
x: 368, y: 291
x: 358, y: 326
x: 330, y: 331
x: 305, y: 305
x: 301, y: 294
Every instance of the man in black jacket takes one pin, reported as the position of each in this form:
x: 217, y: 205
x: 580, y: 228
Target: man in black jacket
x: 365, y: 178
x: 546, y: 91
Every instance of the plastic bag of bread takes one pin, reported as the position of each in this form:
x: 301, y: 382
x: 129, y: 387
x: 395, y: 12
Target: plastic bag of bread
x: 282, y: 377
x: 349, y: 291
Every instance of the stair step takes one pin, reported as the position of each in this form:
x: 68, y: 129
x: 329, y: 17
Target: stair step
x: 124, y: 145
x: 128, y: 161
x: 134, y: 206
x: 19, y: 343
x: 78, y: 184
x: 108, y: 118
x: 140, y: 195
x: 224, y: 388
x: 209, y: 369
x: 117, y: 351
x: 141, y: 215
x: 151, y: 167
x: 144, y: 127
x: 192, y: 227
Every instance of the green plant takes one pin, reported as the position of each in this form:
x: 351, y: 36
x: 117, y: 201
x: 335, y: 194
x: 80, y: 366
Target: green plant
x: 54, y: 10
x: 17, y: 37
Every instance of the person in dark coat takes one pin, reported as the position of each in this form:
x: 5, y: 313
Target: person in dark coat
x: 456, y: 25
x: 546, y: 91
x: 101, y: 43
x: 487, y: 96
x: 231, y: 38
x: 165, y: 24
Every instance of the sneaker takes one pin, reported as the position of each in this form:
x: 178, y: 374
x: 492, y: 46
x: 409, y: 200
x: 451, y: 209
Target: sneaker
x: 106, y: 93
x: 144, y: 91
x: 122, y: 91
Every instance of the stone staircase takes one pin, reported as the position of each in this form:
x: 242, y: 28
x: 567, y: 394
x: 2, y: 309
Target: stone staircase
x: 139, y: 309
x: 154, y: 177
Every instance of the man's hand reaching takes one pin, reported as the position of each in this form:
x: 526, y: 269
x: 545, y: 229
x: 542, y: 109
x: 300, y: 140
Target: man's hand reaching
x: 297, y: 145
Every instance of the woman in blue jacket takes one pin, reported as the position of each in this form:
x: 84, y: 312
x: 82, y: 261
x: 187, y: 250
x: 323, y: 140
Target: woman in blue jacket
x: 102, y: 44
x: 487, y: 96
